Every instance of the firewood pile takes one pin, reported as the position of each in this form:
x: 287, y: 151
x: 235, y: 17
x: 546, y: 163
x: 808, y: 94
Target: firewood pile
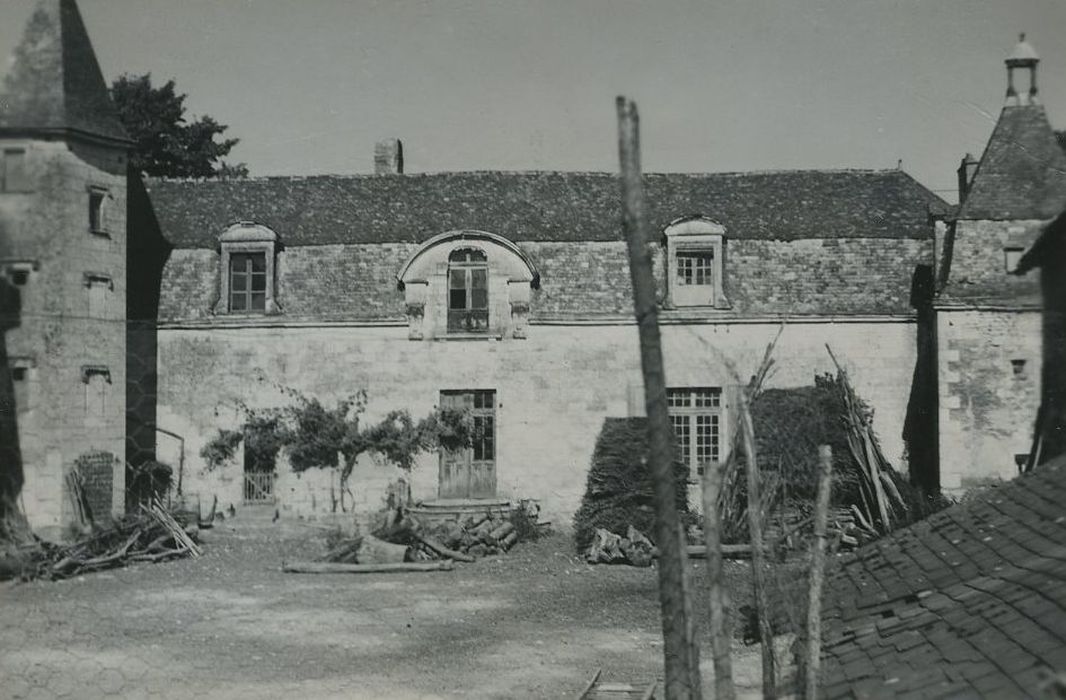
x: 151, y: 535
x: 401, y: 537
x: 608, y: 548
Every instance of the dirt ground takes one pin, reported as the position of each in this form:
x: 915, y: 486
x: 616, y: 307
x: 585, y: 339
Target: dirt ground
x: 536, y: 623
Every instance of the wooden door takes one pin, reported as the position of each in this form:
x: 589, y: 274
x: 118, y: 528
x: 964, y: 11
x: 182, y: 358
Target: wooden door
x: 471, y: 472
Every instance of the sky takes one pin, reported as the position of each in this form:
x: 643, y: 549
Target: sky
x: 721, y: 85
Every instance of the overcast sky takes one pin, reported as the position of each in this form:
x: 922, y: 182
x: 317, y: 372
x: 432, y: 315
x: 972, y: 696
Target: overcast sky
x: 309, y: 85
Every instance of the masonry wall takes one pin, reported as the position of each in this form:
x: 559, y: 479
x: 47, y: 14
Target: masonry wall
x: 553, y: 391
x: 987, y: 405
x: 56, y: 336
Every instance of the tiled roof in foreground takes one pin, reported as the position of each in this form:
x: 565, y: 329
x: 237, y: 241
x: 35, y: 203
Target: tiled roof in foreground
x: 968, y: 603
x: 543, y: 206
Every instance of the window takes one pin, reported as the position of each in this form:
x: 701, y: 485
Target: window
x: 22, y: 371
x: 97, y: 381
x: 98, y: 197
x: 696, y: 269
x: 19, y: 272
x: 1011, y: 257
x: 1018, y: 368
x: 247, y: 282
x: 99, y: 288
x: 13, y: 176
x: 468, y: 291
x: 248, y: 262
x: 695, y: 249
x: 696, y: 414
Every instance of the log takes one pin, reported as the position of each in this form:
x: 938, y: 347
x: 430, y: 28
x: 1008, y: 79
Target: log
x: 699, y: 551
x: 444, y: 551
x: 318, y: 567
x: 509, y: 541
x: 375, y: 551
x: 814, y: 594
x: 502, y: 531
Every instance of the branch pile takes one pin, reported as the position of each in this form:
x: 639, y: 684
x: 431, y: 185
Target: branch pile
x: 151, y: 535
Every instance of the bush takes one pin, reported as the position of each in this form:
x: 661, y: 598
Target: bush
x: 619, y: 491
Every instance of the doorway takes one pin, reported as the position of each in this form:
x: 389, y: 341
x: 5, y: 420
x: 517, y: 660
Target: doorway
x: 471, y: 471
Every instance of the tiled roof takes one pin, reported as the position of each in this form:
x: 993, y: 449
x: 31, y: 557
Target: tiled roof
x: 1022, y: 174
x: 970, y: 602
x: 55, y: 82
x: 543, y: 206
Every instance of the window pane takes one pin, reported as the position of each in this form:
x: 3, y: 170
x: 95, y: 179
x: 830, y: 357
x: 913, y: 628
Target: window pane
x: 237, y: 302
x: 259, y: 282
x: 258, y: 301
x: 238, y: 282
x: 479, y: 279
x: 258, y: 262
x: 479, y: 299
x: 457, y: 279
x: 457, y: 299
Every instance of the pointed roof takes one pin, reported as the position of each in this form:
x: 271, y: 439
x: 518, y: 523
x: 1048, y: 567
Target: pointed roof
x: 1022, y: 174
x: 55, y: 84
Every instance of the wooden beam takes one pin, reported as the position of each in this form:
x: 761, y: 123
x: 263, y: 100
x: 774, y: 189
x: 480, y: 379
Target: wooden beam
x: 323, y: 567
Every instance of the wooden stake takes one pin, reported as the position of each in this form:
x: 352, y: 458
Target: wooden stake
x: 322, y: 567
x: 758, y: 558
x: 814, y: 600
x: 718, y: 594
x: 682, y: 668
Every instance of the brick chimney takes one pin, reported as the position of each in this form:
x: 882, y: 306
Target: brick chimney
x: 967, y: 168
x: 388, y: 157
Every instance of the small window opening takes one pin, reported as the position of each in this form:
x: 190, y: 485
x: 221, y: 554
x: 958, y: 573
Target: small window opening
x: 13, y: 171
x: 1021, y: 460
x: 19, y: 374
x: 19, y: 278
x: 97, y: 224
x: 1011, y: 257
x: 1018, y: 367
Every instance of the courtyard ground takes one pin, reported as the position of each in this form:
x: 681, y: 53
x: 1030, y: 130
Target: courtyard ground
x: 536, y: 623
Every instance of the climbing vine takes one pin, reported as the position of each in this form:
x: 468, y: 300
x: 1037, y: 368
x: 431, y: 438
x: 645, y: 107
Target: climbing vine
x: 315, y: 435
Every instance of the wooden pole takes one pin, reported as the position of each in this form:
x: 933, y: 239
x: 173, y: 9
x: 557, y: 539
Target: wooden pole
x: 682, y: 668
x: 758, y: 556
x: 721, y: 648
x: 814, y: 601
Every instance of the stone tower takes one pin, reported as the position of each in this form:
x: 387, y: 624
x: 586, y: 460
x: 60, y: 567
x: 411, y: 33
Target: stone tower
x: 988, y: 319
x: 63, y: 186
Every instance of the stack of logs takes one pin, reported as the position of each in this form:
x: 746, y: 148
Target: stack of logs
x: 402, y: 542
x: 152, y: 535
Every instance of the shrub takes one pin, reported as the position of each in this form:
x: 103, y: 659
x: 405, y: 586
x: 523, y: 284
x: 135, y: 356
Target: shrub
x: 619, y: 491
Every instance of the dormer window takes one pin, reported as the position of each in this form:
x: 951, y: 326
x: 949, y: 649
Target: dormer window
x: 695, y: 247
x: 468, y: 291
x: 98, y: 199
x: 248, y: 255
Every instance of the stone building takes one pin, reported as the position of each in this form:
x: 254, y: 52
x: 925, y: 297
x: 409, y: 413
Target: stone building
x: 988, y: 320
x: 63, y: 154
x: 510, y: 292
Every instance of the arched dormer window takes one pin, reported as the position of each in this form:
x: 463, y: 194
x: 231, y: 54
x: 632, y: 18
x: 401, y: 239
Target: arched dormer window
x: 467, y: 284
x: 468, y: 291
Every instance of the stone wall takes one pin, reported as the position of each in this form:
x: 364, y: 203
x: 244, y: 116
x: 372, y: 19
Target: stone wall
x: 553, y: 391
x: 979, y: 274
x: 59, y: 334
x: 988, y: 402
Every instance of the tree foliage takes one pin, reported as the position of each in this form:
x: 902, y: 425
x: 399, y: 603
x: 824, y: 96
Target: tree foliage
x: 167, y: 143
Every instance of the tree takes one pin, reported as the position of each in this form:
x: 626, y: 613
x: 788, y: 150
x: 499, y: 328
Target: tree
x: 1060, y: 136
x: 166, y: 143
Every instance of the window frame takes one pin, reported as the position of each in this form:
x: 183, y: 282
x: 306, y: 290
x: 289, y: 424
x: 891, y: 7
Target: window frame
x: 694, y: 237
x: 99, y: 199
x: 686, y: 406
x: 247, y: 238
x: 475, y: 264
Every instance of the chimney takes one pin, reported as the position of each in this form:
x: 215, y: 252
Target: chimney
x: 388, y: 157
x: 967, y: 168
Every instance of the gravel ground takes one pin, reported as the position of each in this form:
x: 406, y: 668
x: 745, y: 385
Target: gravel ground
x: 536, y: 623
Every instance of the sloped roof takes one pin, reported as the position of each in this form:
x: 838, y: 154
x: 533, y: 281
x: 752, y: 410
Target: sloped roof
x: 968, y: 603
x: 543, y: 206
x: 1022, y: 174
x: 55, y: 83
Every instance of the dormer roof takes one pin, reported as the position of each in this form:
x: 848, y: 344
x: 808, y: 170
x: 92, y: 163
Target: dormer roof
x: 55, y: 85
